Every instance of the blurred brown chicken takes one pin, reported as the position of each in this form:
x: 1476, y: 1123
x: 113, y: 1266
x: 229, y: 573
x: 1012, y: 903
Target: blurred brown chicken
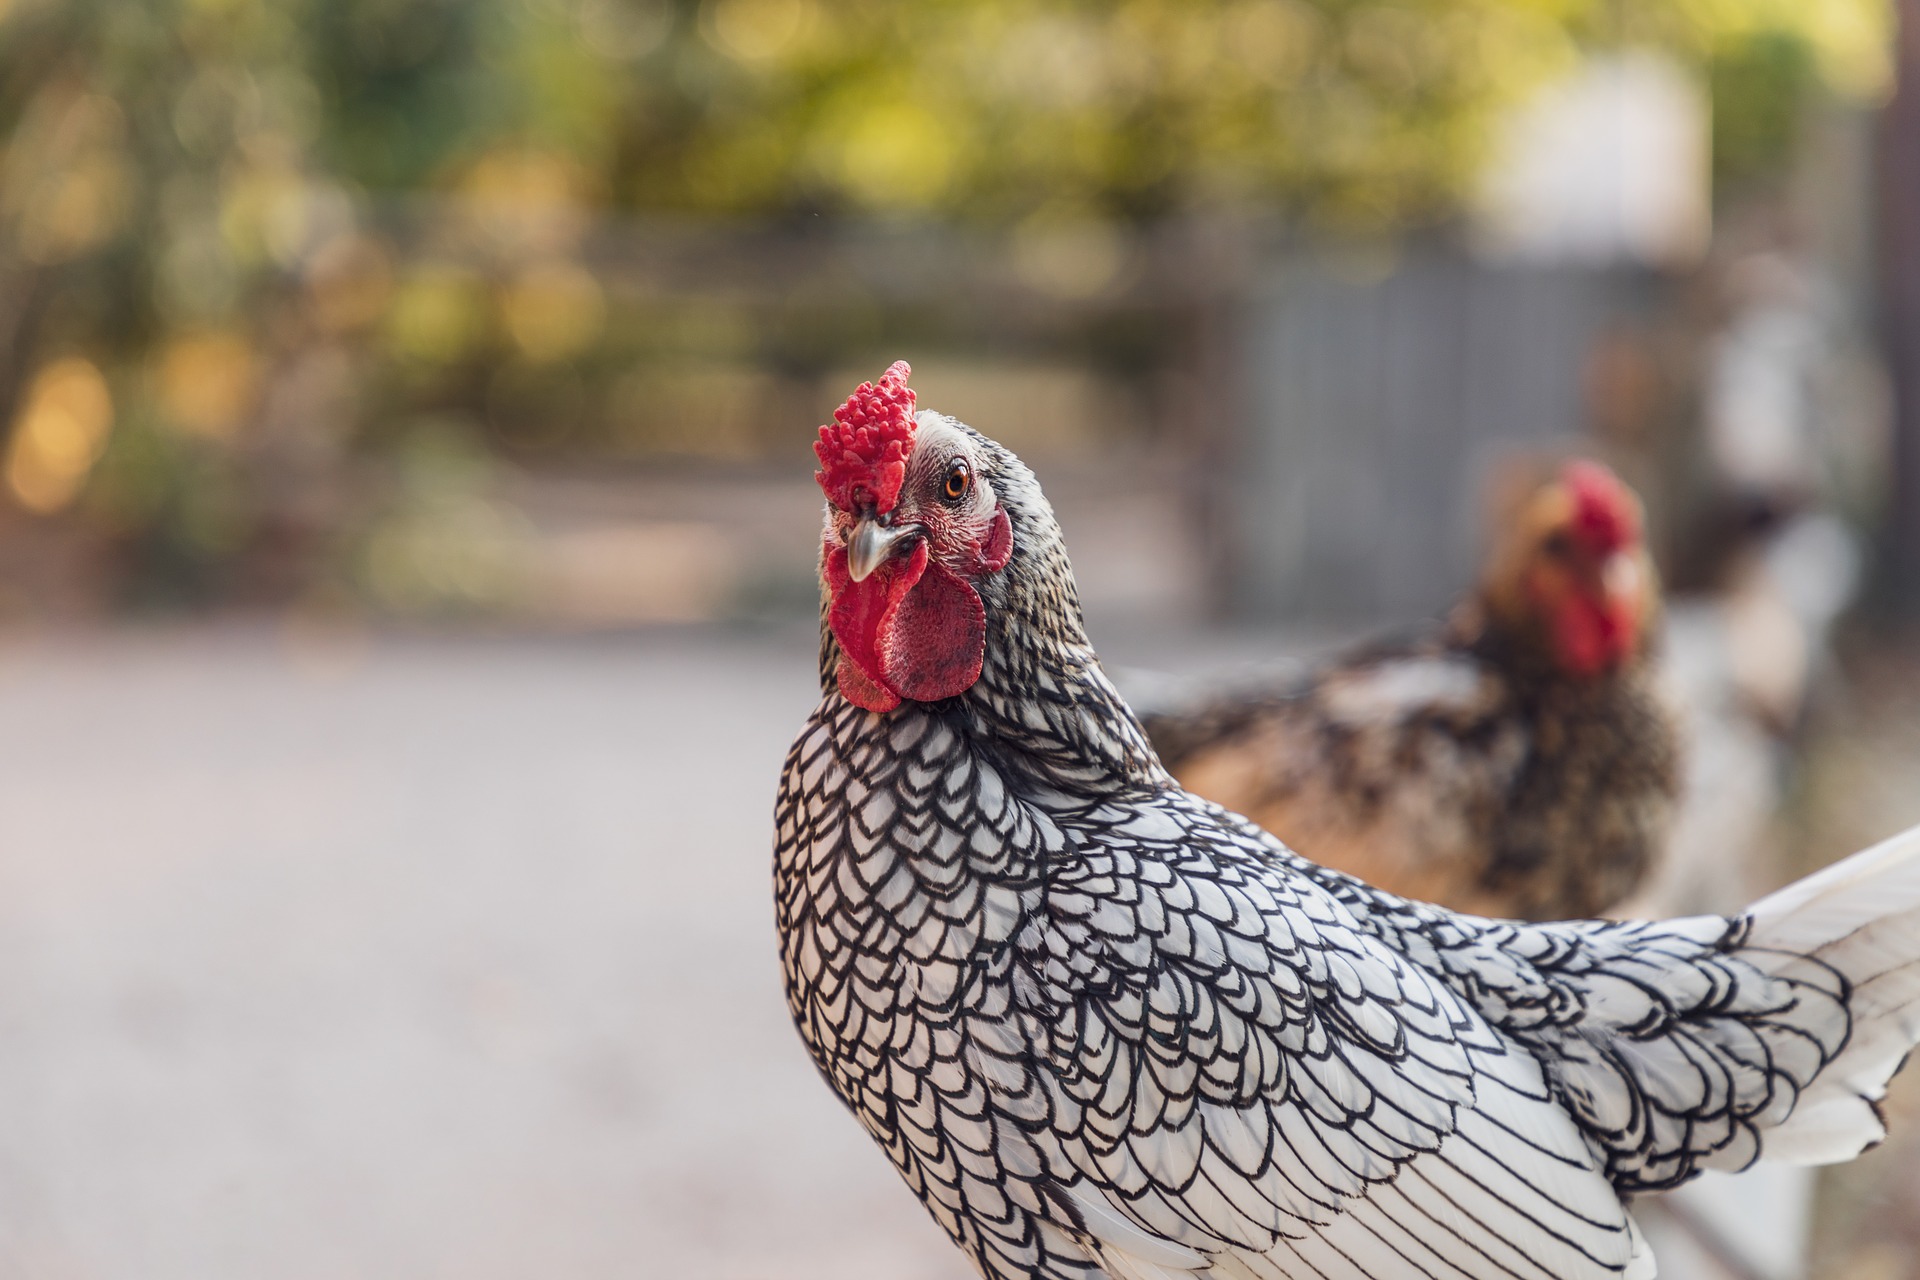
x: 1516, y: 760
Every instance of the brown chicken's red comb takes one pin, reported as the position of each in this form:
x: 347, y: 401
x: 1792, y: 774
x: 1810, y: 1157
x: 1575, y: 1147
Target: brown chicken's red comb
x: 863, y: 451
x: 1605, y: 516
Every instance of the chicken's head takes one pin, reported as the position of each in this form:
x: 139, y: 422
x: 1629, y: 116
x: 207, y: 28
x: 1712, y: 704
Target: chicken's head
x: 912, y: 524
x: 1572, y: 574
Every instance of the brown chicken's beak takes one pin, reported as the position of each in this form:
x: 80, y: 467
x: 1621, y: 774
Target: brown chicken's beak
x: 870, y: 543
x: 1621, y: 578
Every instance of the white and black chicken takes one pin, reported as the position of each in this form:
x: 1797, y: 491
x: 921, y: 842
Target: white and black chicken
x: 1104, y: 1028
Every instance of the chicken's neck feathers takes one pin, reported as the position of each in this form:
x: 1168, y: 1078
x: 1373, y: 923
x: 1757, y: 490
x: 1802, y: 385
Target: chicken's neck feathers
x: 1043, y: 710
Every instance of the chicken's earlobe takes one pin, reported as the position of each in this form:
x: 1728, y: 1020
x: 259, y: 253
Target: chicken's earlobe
x: 998, y: 548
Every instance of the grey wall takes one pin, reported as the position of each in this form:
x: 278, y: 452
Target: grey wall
x: 1373, y: 402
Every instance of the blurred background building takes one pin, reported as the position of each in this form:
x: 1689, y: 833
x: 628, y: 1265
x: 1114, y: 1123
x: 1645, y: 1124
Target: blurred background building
x: 350, y: 341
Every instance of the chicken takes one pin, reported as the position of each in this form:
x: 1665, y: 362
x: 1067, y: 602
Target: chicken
x: 1516, y: 761
x: 1105, y: 1028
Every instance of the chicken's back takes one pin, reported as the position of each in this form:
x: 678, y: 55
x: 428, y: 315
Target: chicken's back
x: 1437, y: 773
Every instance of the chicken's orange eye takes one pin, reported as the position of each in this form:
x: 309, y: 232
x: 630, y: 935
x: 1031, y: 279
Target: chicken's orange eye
x: 958, y: 480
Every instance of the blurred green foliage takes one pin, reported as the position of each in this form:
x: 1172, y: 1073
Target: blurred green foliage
x: 281, y: 233
x: 1762, y: 85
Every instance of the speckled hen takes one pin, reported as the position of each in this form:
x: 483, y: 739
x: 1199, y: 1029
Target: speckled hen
x: 1518, y: 759
x: 1104, y: 1028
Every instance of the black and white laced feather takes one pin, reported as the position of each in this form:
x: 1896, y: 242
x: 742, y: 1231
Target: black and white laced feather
x: 1106, y: 1029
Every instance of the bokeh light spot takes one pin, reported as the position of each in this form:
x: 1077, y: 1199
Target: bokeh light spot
x: 756, y: 30
x: 527, y: 201
x: 896, y: 155
x: 207, y: 383
x: 59, y: 434
x: 350, y: 282
x: 554, y: 310
x: 436, y: 315
x: 1069, y: 255
x: 625, y: 29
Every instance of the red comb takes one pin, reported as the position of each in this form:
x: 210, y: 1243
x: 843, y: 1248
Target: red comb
x: 863, y: 451
x: 1605, y: 516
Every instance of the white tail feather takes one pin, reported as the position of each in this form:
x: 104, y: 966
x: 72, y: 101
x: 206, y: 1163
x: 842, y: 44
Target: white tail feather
x: 1862, y: 917
x: 1851, y: 892
x: 1126, y: 1246
x: 1640, y: 1266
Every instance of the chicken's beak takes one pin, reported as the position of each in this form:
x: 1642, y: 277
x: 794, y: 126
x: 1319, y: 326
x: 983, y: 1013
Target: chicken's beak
x: 870, y: 543
x: 1621, y: 578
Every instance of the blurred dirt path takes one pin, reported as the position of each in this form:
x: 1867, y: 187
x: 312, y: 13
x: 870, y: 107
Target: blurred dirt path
x: 417, y: 958
x: 411, y: 958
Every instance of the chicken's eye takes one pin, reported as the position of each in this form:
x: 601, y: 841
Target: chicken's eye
x: 959, y: 480
x: 1558, y: 544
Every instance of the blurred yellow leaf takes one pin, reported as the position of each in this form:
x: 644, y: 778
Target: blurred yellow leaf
x: 71, y: 185
x: 266, y: 213
x: 554, y: 310
x: 59, y: 434
x: 528, y: 200
x: 207, y: 383
x: 77, y: 209
x: 894, y: 153
x: 757, y: 30
x: 436, y: 314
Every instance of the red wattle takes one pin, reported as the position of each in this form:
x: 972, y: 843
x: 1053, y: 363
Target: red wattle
x: 1591, y: 639
x: 935, y: 640
x: 912, y: 629
x: 859, y: 618
x: 861, y: 691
